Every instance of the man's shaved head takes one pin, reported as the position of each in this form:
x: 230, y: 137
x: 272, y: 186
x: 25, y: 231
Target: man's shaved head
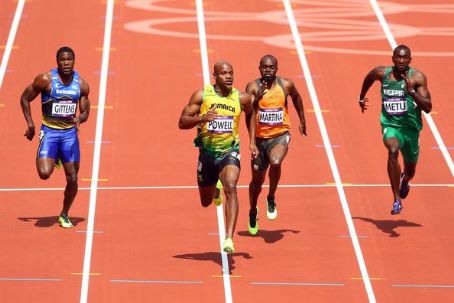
x: 268, y: 57
x: 402, y: 50
x: 221, y: 63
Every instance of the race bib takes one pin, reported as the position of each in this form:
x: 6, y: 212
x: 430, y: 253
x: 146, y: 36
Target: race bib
x: 395, y: 106
x: 221, y: 125
x: 271, y: 116
x: 63, y: 109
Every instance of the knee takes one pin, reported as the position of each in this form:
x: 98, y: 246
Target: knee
x: 393, y: 153
x: 206, y: 203
x: 71, y: 179
x: 230, y: 188
x: 44, y: 174
x: 275, y: 162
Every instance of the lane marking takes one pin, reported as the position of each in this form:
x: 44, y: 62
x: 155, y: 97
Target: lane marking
x: 90, y: 274
x: 95, y: 231
x: 310, y: 186
x: 98, y: 180
x: 392, y: 42
x: 329, y: 151
x: 295, y: 284
x: 156, y: 281
x: 32, y: 279
x: 348, y: 236
x: 230, y: 276
x: 11, y: 36
x: 111, y: 49
x: 219, y: 209
x: 197, y: 50
x: 311, y: 110
x: 92, y: 142
x: 370, y: 278
x: 105, y: 106
x: 97, y: 151
x: 14, y: 47
x: 423, y: 285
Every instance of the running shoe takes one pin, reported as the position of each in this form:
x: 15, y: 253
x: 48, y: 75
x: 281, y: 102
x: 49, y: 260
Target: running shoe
x: 271, y: 210
x: 228, y: 246
x: 218, y: 200
x: 58, y: 163
x: 404, y: 187
x: 397, y: 207
x: 253, y: 225
x: 65, y: 222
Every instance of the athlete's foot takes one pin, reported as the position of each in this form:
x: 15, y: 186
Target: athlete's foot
x: 64, y: 221
x: 218, y: 200
x: 253, y: 225
x: 228, y: 246
x: 397, y: 207
x: 271, y: 210
x: 404, y: 187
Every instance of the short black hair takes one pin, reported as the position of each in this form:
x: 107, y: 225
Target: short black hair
x: 65, y: 49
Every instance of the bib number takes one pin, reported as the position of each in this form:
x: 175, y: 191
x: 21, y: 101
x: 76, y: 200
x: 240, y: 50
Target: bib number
x: 271, y: 116
x: 63, y: 109
x: 395, y: 106
x: 221, y: 125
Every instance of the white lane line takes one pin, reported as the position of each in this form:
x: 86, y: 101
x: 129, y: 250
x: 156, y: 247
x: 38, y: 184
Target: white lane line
x: 392, y: 42
x: 329, y: 151
x: 219, y: 209
x: 97, y: 151
x: 239, y: 186
x: 296, y: 284
x: 11, y: 37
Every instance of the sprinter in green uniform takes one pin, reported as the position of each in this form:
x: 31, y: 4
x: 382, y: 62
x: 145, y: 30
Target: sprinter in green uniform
x: 404, y: 95
x: 215, y: 111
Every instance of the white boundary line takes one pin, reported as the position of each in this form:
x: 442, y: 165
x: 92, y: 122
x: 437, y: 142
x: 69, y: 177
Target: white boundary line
x: 430, y: 121
x: 329, y: 151
x: 219, y: 209
x: 18, y: 189
x: 11, y: 37
x: 97, y: 151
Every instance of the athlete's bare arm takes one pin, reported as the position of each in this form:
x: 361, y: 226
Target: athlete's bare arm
x: 417, y: 88
x: 374, y: 75
x: 40, y: 84
x: 297, y: 103
x: 84, y: 103
x: 190, y: 116
x: 247, y: 107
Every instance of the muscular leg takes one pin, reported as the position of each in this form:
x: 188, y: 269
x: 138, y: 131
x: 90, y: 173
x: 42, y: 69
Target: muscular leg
x: 45, y: 167
x: 409, y: 170
x: 276, y: 155
x: 394, y: 170
x: 229, y: 177
x: 71, y: 171
x: 255, y: 187
x: 207, y: 194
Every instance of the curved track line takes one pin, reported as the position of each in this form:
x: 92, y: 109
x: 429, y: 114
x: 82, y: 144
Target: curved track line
x: 329, y: 151
x: 97, y: 151
x: 11, y: 37
x: 392, y: 42
x: 219, y: 209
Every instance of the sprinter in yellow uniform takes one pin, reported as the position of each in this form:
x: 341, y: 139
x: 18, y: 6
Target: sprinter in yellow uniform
x: 215, y: 112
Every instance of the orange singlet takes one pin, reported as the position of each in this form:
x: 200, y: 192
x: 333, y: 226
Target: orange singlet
x: 272, y: 115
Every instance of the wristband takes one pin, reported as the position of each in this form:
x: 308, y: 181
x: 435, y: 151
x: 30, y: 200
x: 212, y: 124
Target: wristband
x: 361, y: 100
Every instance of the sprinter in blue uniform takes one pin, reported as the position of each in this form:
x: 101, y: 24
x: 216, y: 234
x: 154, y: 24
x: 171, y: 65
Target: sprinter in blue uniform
x: 62, y: 92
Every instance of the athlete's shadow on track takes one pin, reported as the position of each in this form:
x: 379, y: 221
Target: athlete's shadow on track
x: 389, y: 226
x: 215, y: 257
x: 270, y: 236
x: 49, y: 221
